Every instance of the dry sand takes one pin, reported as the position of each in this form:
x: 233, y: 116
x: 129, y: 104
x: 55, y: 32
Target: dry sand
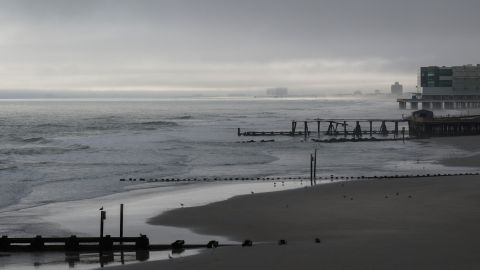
x: 437, y: 228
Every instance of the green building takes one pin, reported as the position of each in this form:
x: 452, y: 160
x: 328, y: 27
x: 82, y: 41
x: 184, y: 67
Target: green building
x: 456, y: 87
x: 457, y: 82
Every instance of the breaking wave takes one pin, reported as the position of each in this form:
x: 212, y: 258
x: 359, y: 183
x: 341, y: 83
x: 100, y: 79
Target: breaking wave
x: 42, y: 150
x: 184, y: 117
x: 36, y: 140
x: 16, y: 139
x: 6, y: 165
x: 160, y: 123
x: 52, y: 125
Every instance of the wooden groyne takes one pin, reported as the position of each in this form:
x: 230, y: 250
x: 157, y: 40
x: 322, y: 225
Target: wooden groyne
x: 93, y: 244
x: 291, y: 178
x: 103, y: 243
x: 73, y: 243
x: 337, y: 127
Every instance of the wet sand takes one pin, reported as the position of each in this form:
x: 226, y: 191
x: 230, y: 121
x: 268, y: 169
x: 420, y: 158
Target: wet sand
x: 431, y: 224
x: 466, y: 143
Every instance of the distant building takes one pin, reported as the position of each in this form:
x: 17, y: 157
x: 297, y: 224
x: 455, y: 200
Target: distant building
x: 357, y: 93
x: 377, y: 92
x: 277, y: 92
x: 396, y: 89
x: 455, y: 87
x: 456, y: 82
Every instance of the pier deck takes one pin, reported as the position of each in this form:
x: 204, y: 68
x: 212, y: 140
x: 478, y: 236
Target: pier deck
x: 422, y: 127
x: 439, y: 104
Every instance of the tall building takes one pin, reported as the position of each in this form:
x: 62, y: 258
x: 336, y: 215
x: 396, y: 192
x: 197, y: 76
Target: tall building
x: 277, y: 92
x: 457, y: 82
x: 396, y: 89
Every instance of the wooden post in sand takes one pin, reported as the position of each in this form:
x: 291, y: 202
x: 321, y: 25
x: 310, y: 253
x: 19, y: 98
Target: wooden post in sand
x: 315, y: 168
x: 121, y: 224
x: 305, y: 123
x: 103, y: 216
x: 318, y: 129
x: 311, y: 170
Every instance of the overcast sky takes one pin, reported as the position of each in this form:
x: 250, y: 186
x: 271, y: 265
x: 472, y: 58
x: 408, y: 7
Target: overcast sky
x: 231, y: 44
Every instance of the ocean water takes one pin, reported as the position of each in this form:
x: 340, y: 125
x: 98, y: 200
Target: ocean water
x: 60, y: 160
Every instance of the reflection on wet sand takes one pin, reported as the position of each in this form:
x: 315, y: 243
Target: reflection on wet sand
x: 82, y: 260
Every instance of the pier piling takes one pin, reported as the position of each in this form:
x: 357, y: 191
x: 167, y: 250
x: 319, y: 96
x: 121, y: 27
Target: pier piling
x: 305, y: 123
x: 121, y: 224
x: 103, y: 216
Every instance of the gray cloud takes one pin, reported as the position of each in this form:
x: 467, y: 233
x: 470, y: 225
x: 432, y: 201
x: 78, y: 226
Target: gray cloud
x: 179, y: 44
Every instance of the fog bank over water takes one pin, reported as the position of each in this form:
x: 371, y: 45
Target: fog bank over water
x: 230, y: 45
x: 138, y: 94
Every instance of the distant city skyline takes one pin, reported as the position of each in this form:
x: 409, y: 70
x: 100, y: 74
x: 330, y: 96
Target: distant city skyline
x: 146, y: 45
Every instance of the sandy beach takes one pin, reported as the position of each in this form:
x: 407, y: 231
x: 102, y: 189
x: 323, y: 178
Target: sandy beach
x: 431, y: 224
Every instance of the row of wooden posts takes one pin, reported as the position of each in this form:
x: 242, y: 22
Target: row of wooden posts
x: 333, y: 128
x: 301, y: 178
x: 313, y: 168
x: 356, y: 132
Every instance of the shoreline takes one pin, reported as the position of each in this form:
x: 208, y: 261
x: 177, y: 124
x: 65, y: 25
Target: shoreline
x: 363, y: 224
x: 183, y: 229
x: 143, y: 188
x: 435, y: 228
x: 80, y: 216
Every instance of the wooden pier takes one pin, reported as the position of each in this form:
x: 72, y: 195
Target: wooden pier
x: 337, y: 127
x: 423, y: 124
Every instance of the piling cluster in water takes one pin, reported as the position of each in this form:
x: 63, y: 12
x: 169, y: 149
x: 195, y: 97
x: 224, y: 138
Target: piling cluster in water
x: 371, y: 139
